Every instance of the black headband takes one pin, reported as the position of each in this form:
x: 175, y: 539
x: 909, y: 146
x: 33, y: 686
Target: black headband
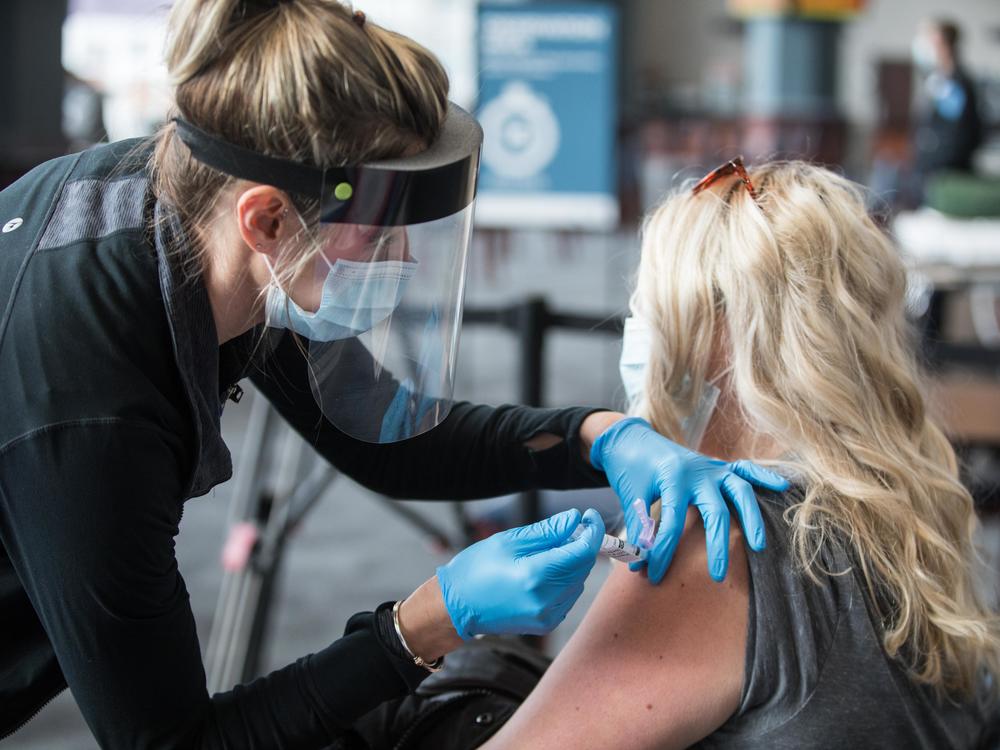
x: 431, y: 185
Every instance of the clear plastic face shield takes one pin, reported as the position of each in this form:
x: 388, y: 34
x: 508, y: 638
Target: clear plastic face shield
x: 378, y: 298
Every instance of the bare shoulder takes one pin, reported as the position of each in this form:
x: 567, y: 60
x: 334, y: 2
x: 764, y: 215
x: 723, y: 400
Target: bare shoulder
x: 666, y: 661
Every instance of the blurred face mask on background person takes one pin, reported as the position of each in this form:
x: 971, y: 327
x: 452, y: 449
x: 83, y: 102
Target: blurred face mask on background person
x: 637, y: 343
x: 923, y: 54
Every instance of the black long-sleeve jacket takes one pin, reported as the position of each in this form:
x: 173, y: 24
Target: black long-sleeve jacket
x: 113, y: 384
x: 949, y: 142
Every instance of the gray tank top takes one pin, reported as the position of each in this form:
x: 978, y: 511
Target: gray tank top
x: 816, y: 675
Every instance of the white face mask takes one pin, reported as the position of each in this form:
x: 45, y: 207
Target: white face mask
x: 637, y: 343
x: 922, y: 54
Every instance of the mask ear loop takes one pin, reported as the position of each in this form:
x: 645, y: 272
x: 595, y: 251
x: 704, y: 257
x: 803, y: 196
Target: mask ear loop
x: 316, y: 243
x: 288, y: 302
x: 697, y: 421
x: 275, y: 288
x: 275, y: 281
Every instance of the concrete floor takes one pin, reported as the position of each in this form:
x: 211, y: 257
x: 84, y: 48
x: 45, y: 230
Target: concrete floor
x: 326, y: 576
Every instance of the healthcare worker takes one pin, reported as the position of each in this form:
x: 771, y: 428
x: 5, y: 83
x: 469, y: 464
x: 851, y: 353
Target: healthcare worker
x: 303, y: 221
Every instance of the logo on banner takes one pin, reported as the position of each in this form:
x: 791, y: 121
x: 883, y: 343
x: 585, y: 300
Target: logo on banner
x: 525, y: 132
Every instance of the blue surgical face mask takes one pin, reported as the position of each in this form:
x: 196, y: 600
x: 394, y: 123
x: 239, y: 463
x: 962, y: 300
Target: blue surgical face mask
x: 356, y: 297
x: 637, y: 343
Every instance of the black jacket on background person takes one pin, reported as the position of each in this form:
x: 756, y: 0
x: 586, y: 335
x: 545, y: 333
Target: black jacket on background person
x: 949, y: 129
x: 113, y: 385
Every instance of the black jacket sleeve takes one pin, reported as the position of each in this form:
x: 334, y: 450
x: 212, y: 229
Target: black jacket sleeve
x: 88, y: 515
x: 477, y: 451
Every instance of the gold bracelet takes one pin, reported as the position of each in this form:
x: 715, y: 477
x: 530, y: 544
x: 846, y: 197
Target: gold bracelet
x: 430, y: 666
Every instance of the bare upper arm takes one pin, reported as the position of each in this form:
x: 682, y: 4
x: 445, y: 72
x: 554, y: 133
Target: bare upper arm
x: 650, y: 666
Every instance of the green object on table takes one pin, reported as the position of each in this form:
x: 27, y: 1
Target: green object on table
x: 964, y: 195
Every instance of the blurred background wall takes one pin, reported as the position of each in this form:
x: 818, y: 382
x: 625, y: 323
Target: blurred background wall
x: 30, y: 114
x: 686, y: 44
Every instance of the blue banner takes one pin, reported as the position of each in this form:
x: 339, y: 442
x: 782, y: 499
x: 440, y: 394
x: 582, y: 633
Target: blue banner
x: 548, y: 107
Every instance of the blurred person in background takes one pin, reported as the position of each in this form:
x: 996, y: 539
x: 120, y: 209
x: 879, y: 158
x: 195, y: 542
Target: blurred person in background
x: 949, y: 128
x: 303, y: 221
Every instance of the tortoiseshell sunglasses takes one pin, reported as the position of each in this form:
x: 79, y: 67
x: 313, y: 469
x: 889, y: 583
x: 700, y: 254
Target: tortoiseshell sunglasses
x: 731, y: 167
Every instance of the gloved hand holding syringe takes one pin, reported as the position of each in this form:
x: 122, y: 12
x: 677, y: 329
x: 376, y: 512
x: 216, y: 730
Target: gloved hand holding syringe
x: 525, y: 580
x: 619, y: 549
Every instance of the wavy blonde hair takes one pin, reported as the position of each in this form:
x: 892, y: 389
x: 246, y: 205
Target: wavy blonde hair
x: 808, y: 295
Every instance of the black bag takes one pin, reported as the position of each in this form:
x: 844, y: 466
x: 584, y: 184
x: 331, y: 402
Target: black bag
x: 460, y: 707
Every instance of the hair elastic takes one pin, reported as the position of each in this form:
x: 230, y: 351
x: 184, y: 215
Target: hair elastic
x: 359, y: 18
x: 252, y: 8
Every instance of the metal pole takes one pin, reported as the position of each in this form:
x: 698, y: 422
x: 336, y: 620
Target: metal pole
x: 247, y: 493
x: 532, y: 323
x: 266, y: 562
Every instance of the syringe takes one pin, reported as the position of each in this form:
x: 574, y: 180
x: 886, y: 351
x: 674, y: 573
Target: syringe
x: 619, y: 549
x: 615, y: 548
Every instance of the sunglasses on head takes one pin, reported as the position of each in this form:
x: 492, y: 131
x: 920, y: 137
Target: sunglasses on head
x: 731, y: 167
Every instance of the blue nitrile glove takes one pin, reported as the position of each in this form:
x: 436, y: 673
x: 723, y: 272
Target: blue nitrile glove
x: 521, y: 581
x: 400, y: 420
x: 639, y: 462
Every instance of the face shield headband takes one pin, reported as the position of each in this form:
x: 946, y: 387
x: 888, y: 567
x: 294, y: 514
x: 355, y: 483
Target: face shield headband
x: 436, y: 183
